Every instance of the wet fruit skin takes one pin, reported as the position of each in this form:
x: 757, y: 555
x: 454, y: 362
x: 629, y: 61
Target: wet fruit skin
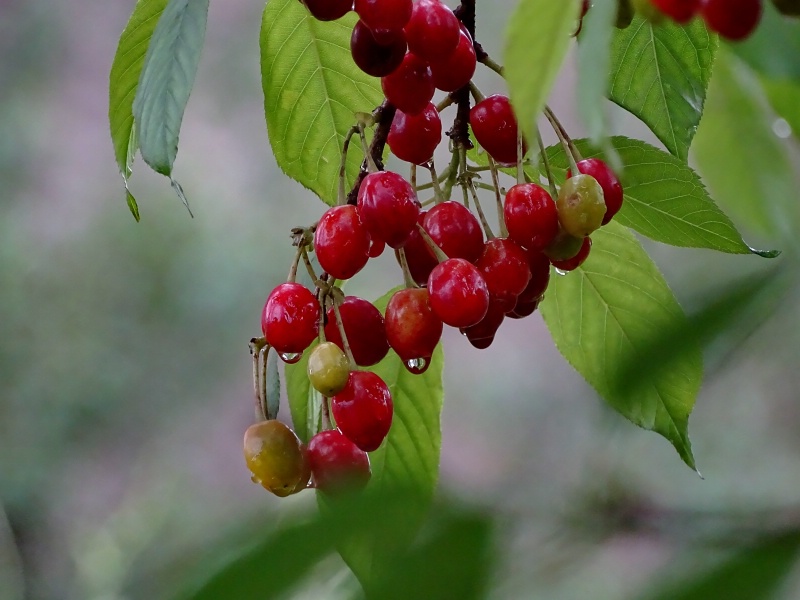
x: 455, y: 230
x: 328, y: 10
x: 363, y: 410
x: 290, y: 318
x: 531, y: 216
x: 341, y: 242
x: 275, y: 456
x: 413, y: 330
x: 458, y: 293
x: 433, y: 30
x: 580, y: 205
x: 328, y: 369
x: 456, y: 70
x: 481, y: 335
x: 576, y: 261
x: 732, y: 19
x: 385, y: 18
x: 364, y: 327
x: 504, y: 266
x: 410, y: 86
x: 495, y: 127
x: 372, y: 57
x: 539, y: 265
x: 414, y: 138
x: 337, y: 464
x: 388, y: 207
x: 612, y: 188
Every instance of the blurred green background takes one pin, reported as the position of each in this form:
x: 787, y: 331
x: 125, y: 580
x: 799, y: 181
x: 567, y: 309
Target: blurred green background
x: 125, y: 378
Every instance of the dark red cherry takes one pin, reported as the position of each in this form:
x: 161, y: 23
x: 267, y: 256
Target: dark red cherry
x: 388, y: 207
x: 732, y: 19
x: 681, y: 11
x: 455, y: 230
x: 495, y: 127
x: 341, y: 242
x: 376, y: 247
x: 410, y: 86
x: 531, y: 215
x: 454, y: 71
x: 365, y: 330
x: 413, y: 330
x: 385, y: 18
x: 432, y: 31
x: 458, y: 293
x: 419, y: 257
x: 481, y: 335
x: 290, y: 318
x: 372, y: 57
x: 612, y: 188
x: 540, y: 277
x: 337, y: 464
x: 504, y: 266
x: 363, y: 410
x: 413, y: 138
x: 524, y: 309
x: 576, y: 261
x: 328, y: 10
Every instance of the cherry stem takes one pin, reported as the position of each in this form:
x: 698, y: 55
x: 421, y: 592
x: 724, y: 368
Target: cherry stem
x: 476, y: 93
x: 259, y: 346
x: 462, y: 172
x: 498, y: 198
x: 371, y: 166
x: 383, y: 117
x: 481, y: 216
x: 520, y: 156
x: 452, y: 172
x: 413, y: 176
x: 494, y: 66
x: 342, y: 197
x: 325, y: 413
x: 447, y: 101
x: 400, y: 253
x: 340, y: 325
x: 546, y: 162
x: 437, y: 190
x: 434, y: 247
x: 310, y: 268
x: 562, y: 134
x: 292, y: 277
x: 564, y: 143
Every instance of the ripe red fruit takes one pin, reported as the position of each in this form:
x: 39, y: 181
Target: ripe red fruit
x: 388, y: 207
x: 504, y: 266
x: 376, y: 247
x: 531, y: 216
x: 454, y: 71
x: 337, y: 464
x: 432, y: 30
x: 328, y: 10
x: 372, y: 57
x: 540, y: 277
x: 455, y: 230
x: 414, y: 138
x: 363, y: 410
x: 732, y: 19
x: 410, y: 86
x: 576, y: 261
x: 681, y: 11
x: 612, y: 188
x: 365, y: 330
x: 458, y: 293
x: 290, y: 317
x: 341, y: 242
x: 523, y: 309
x: 385, y: 18
x: 495, y: 127
x: 481, y: 335
x: 419, y: 257
x: 413, y: 330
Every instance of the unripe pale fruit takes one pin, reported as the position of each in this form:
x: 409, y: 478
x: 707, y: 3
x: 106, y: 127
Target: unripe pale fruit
x: 328, y: 369
x: 275, y: 456
x: 581, y: 206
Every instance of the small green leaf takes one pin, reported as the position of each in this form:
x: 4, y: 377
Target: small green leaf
x: 312, y: 92
x: 166, y: 81
x: 133, y: 206
x: 273, y: 399
x: 537, y: 40
x: 304, y: 401
x: 606, y: 312
x: 660, y: 74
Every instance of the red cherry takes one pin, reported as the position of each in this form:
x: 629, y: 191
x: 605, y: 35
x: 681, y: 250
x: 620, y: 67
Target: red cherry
x: 681, y: 11
x: 413, y: 330
x: 410, y: 86
x: 504, y: 266
x: 524, y: 309
x: 337, y: 464
x: 384, y: 17
x: 481, y: 335
x: 458, y: 293
x: 290, y: 318
x: 612, y: 188
x: 328, y: 10
x: 454, y: 71
x: 365, y: 330
x: 376, y: 247
x: 341, y: 242
x: 576, y: 261
x: 540, y: 277
x: 432, y: 31
x: 372, y: 57
x: 455, y: 230
x: 531, y: 215
x: 388, y: 207
x: 363, y: 410
x: 732, y: 19
x: 419, y: 257
x: 413, y: 138
x: 495, y: 127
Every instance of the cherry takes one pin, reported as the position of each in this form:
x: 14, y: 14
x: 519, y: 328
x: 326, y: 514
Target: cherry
x: 290, y: 318
x: 624, y: 14
x: 388, y: 207
x: 495, y: 127
x: 681, y: 11
x: 275, y: 456
x: 363, y: 410
x: 524, y: 309
x: 328, y: 10
x: 341, y: 242
x: 364, y: 327
x: 455, y: 70
x: 414, y: 138
x: 410, y: 86
x: 647, y: 10
x: 531, y: 215
x: 564, y: 246
x: 337, y: 464
x: 576, y: 261
x: 612, y: 188
x: 413, y: 330
x: 788, y: 7
x: 580, y: 204
x: 732, y: 19
x: 419, y: 257
x: 432, y: 31
x: 385, y: 18
x: 455, y: 230
x: 372, y: 57
x: 481, y: 335
x: 376, y: 247
x: 328, y: 369
x: 458, y: 293
x: 504, y: 266
x: 539, y: 265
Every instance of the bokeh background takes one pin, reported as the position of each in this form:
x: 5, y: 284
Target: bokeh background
x: 125, y: 377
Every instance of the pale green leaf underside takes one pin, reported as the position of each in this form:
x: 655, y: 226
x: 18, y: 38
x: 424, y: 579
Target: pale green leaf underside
x: 606, y: 312
x: 312, y: 91
x: 664, y: 198
x: 166, y: 81
x: 660, y: 74
x: 124, y: 78
x: 537, y: 40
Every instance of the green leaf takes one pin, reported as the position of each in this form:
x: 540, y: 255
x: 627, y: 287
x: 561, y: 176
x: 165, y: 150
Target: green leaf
x: 312, y: 92
x: 133, y: 206
x: 664, y: 198
x: 537, y: 39
x: 166, y: 81
x: 304, y: 401
x: 773, y: 48
x: 273, y: 387
x: 784, y: 96
x: 660, y: 74
x: 741, y: 158
x: 606, y: 312
x: 124, y: 79
x: 594, y: 62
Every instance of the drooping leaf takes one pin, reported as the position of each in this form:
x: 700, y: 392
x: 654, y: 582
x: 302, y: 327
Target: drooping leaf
x: 741, y: 158
x: 660, y: 74
x: 133, y: 206
x: 304, y: 401
x: 606, y: 312
x: 664, y: 198
x: 166, y: 81
x: 312, y: 92
x: 537, y: 40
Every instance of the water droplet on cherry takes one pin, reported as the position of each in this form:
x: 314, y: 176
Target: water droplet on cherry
x: 417, y: 366
x: 290, y: 358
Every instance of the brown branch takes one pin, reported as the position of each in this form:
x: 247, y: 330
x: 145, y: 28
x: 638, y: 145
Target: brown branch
x: 384, y: 115
x: 459, y: 133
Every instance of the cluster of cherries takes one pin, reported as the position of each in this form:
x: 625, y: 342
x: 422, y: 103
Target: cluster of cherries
x: 732, y: 19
